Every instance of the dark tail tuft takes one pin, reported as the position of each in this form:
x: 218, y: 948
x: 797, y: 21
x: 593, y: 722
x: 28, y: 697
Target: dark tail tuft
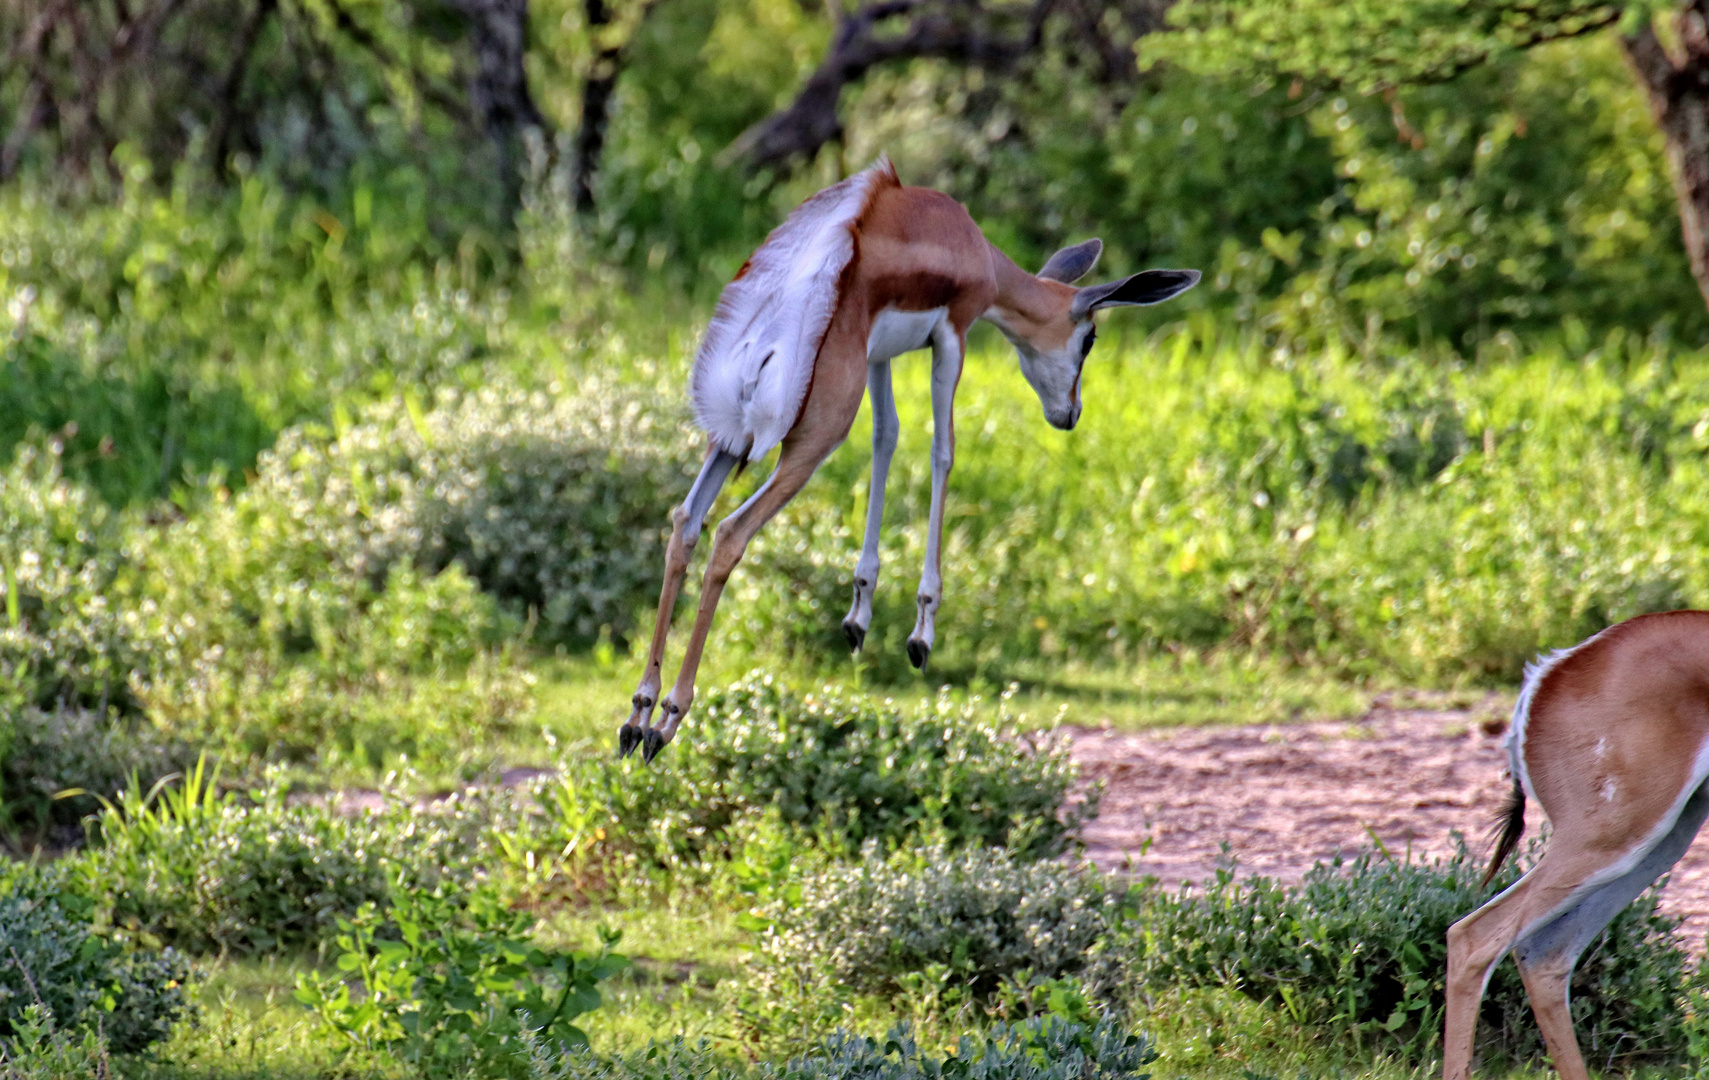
x: 1506, y: 830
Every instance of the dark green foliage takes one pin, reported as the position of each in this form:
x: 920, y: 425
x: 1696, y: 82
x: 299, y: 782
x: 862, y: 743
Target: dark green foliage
x: 1360, y: 946
x: 1038, y: 1049
x: 325, y: 97
x: 54, y: 955
x: 844, y: 765
x: 448, y: 982
x: 55, y: 751
x: 130, y: 435
x: 1371, y: 47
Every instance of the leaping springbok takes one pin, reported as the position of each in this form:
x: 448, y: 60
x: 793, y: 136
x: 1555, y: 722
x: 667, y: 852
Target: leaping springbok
x: 1611, y: 737
x: 858, y: 274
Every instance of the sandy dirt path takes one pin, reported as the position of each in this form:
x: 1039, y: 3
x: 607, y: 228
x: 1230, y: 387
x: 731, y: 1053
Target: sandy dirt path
x: 1287, y: 796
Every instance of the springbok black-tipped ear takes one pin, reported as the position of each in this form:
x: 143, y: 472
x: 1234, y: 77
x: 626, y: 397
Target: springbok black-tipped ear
x: 1148, y: 287
x: 1073, y: 263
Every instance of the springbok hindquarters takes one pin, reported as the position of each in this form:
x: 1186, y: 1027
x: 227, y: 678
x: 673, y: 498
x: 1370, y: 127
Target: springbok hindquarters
x: 1611, y: 738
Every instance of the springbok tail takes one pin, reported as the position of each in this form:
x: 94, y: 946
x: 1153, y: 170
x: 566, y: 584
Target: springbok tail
x: 1506, y: 830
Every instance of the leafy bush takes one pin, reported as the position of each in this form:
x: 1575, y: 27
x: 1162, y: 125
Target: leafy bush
x: 208, y: 870
x: 41, y: 1051
x: 1046, y: 1048
x: 1361, y: 945
x: 233, y: 630
x: 843, y: 765
x: 451, y: 985
x: 255, y: 643
x: 557, y: 502
x: 56, y: 958
x: 977, y: 918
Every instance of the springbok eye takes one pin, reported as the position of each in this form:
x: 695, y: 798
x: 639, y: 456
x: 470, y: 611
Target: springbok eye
x: 1086, y: 343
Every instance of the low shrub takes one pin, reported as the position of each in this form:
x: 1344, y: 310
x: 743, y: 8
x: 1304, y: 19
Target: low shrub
x: 1038, y: 1049
x: 450, y: 984
x: 557, y: 503
x: 978, y: 919
x: 75, y: 748
x: 843, y: 765
x: 1361, y: 945
x: 208, y: 870
x: 57, y: 959
x: 233, y: 631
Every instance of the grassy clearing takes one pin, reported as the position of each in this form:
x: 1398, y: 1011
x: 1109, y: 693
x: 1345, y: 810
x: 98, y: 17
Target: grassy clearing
x: 447, y: 562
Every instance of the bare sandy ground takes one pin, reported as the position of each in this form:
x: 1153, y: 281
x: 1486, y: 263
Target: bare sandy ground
x: 1287, y: 796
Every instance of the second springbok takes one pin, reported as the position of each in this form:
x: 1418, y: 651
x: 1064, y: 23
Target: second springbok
x: 860, y: 273
x: 1611, y: 738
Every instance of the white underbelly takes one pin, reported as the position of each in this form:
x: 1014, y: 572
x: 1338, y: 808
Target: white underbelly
x: 896, y: 332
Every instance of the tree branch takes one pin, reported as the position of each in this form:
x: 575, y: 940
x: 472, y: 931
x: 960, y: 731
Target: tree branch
x: 425, y: 85
x: 969, y: 31
x: 232, y: 84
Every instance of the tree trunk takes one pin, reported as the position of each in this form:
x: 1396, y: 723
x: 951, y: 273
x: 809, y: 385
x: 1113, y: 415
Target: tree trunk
x: 498, y: 90
x: 597, y: 91
x: 1678, y: 88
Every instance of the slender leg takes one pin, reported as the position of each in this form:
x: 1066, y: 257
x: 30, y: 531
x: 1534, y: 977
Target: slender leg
x: 947, y: 348
x: 885, y: 430
x: 795, y: 467
x: 686, y: 523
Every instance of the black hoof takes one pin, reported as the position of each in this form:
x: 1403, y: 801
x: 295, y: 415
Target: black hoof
x: 628, y: 738
x: 651, y: 743
x: 853, y: 634
x: 917, y: 653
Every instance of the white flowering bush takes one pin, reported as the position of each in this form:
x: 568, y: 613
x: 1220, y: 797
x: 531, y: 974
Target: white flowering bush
x: 60, y: 637
x: 235, y: 630
x: 980, y: 918
x: 558, y: 502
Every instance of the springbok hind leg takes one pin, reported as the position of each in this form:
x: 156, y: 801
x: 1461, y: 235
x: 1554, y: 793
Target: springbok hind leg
x: 1548, y: 954
x: 795, y: 466
x: 686, y: 522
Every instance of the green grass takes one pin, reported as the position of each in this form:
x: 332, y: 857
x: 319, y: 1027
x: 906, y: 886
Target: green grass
x: 1233, y: 535
x: 253, y: 1030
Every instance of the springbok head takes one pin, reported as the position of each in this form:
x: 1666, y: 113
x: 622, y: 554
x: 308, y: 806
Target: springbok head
x: 1053, y: 331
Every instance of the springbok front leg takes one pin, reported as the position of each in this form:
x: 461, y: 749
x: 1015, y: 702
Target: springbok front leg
x: 686, y: 523
x: 948, y: 344
x: 886, y: 428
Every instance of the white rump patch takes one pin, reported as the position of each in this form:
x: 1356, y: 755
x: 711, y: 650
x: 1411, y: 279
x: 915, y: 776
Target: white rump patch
x: 755, y: 362
x: 1534, y: 673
